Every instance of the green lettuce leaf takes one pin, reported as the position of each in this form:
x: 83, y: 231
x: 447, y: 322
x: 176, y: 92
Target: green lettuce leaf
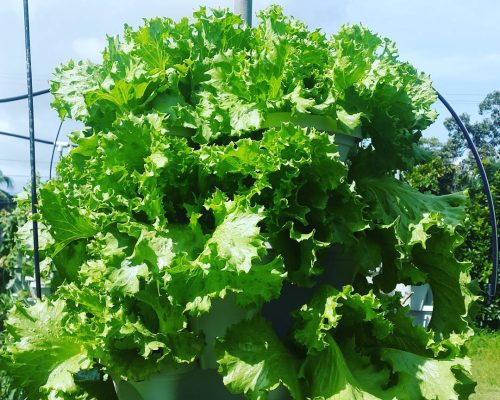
x: 253, y: 361
x: 44, y: 350
x: 332, y: 377
x: 233, y: 259
x: 67, y: 224
x: 365, y: 347
x: 394, y: 202
x: 420, y: 377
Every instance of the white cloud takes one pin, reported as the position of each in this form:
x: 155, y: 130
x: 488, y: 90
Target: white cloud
x: 88, y: 47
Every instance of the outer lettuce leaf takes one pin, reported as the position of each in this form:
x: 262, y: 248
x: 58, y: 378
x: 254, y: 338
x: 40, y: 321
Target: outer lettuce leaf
x: 236, y: 238
x: 44, y: 350
x: 356, y: 342
x: 69, y: 86
x: 332, y: 377
x: 449, y: 280
x: 425, y: 233
x: 67, y: 223
x: 394, y: 202
x: 253, y: 361
x: 420, y: 377
x: 329, y: 307
x: 317, y: 318
x: 337, y: 374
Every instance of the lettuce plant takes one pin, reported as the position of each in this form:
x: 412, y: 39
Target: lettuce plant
x: 191, y: 182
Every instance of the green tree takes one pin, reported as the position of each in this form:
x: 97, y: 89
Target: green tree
x: 5, y: 198
x: 5, y: 180
x: 485, y: 133
x: 451, y: 167
x: 9, y: 221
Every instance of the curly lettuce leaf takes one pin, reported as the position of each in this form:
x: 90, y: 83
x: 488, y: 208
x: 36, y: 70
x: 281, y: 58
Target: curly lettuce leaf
x: 424, y: 231
x: 45, y: 347
x: 355, y: 343
x: 394, y: 202
x: 66, y: 223
x: 421, y: 377
x: 449, y: 280
x: 232, y: 260
x: 343, y: 374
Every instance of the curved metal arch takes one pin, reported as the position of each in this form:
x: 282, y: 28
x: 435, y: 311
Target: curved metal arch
x: 493, y: 282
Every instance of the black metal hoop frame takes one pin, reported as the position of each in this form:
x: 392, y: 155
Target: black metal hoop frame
x: 493, y: 281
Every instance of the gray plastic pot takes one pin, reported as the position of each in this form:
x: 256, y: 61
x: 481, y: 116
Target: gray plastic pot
x: 223, y: 313
x: 168, y: 384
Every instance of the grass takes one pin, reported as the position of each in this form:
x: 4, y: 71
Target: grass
x: 484, y: 351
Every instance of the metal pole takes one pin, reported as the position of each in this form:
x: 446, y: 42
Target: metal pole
x: 36, y: 256
x: 244, y: 8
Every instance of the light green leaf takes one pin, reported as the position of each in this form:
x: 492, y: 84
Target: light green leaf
x: 420, y: 377
x: 331, y: 377
x: 253, y: 361
x: 393, y: 201
x: 66, y: 222
x: 127, y: 278
x: 236, y: 239
x: 43, y: 351
x: 69, y: 86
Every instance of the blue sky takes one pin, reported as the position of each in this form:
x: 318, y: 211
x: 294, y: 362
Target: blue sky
x: 457, y: 42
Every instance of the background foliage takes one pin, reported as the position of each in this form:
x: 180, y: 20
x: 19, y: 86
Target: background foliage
x: 9, y: 218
